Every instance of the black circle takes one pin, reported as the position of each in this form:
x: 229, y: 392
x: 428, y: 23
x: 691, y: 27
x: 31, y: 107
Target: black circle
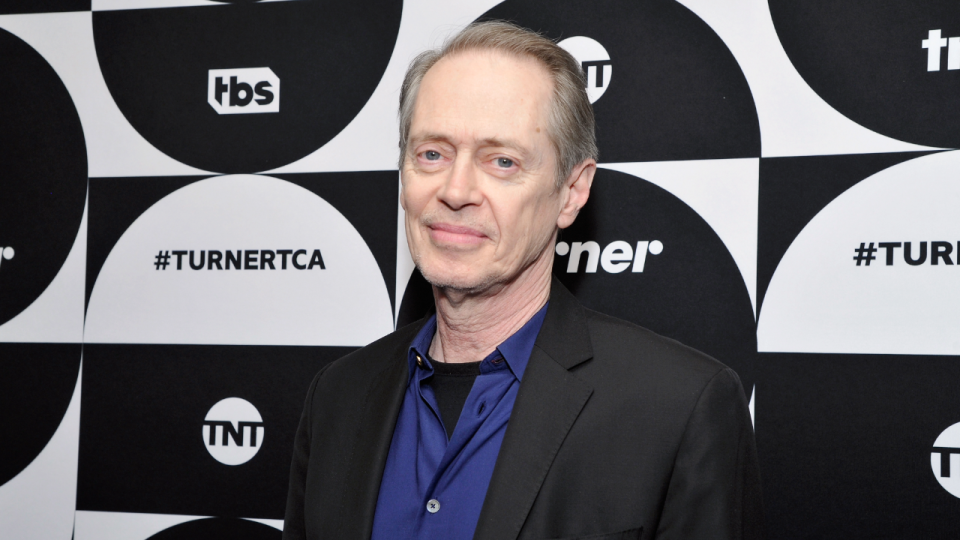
x: 867, y: 61
x: 676, y: 91
x: 218, y: 529
x: 36, y: 384
x: 329, y: 58
x: 44, y: 184
x: 693, y: 291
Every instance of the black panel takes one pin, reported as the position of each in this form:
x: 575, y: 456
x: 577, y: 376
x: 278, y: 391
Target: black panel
x: 43, y: 6
x: 141, y: 425
x: 845, y: 444
x: 36, y: 384
x: 218, y: 529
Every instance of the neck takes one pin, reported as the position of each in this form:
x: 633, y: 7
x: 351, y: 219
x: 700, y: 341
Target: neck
x: 471, y: 325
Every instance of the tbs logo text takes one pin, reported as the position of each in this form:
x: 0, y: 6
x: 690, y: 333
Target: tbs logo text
x: 243, y: 91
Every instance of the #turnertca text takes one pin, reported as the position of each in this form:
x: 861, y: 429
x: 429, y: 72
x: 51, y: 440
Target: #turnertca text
x: 914, y: 254
x: 241, y: 259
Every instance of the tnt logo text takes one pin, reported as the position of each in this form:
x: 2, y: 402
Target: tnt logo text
x: 616, y: 257
x: 595, y: 62
x: 945, y: 460
x: 243, y: 91
x: 934, y: 43
x: 233, y: 431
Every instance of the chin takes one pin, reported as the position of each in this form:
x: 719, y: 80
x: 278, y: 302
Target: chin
x: 467, y: 282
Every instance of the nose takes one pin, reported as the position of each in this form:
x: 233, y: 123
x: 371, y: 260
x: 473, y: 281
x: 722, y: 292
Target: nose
x: 461, y: 187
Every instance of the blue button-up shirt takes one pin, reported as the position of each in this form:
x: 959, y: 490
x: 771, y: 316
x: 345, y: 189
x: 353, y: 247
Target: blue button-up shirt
x: 433, y: 488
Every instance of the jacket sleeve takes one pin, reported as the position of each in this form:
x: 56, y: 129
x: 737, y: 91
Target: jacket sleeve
x: 294, y: 525
x: 714, y: 490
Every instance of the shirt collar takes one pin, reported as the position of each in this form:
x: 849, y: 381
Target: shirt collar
x: 516, y: 349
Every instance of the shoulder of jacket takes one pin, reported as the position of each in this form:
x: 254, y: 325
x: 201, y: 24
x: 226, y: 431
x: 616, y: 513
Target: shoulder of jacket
x: 642, y: 348
x: 370, y: 359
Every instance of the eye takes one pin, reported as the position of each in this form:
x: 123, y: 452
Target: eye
x: 431, y: 155
x: 506, y: 163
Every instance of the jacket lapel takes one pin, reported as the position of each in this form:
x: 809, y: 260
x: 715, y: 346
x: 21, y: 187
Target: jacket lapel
x: 372, y: 444
x: 548, y: 404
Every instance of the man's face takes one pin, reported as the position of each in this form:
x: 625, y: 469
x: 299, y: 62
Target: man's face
x: 478, y: 178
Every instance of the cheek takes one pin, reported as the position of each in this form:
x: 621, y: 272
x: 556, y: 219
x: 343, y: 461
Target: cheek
x: 530, y: 223
x: 412, y: 199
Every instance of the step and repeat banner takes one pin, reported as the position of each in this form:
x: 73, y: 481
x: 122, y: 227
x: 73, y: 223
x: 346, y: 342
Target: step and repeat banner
x: 199, y: 210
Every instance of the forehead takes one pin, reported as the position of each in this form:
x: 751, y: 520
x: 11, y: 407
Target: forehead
x: 483, y: 95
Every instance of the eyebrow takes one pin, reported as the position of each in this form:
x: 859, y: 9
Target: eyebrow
x: 505, y: 143
x: 489, y: 141
x: 428, y: 137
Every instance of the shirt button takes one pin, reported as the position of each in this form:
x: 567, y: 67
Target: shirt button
x: 433, y: 506
x: 419, y: 361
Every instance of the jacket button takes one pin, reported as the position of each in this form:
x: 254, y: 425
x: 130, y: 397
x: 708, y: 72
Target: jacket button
x: 433, y: 506
x: 419, y: 361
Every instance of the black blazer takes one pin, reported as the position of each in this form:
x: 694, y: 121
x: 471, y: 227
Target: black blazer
x: 616, y: 433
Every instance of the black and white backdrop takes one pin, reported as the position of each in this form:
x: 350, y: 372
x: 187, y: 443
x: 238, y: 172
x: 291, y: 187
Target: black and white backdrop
x: 198, y: 210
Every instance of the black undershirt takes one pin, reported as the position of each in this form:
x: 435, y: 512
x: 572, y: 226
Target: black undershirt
x: 451, y: 385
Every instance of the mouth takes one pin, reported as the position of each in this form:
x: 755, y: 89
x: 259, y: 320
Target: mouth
x: 445, y: 233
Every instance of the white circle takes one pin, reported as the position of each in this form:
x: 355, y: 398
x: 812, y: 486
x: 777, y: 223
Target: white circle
x: 237, y: 431
x: 433, y: 506
x: 598, y: 68
x: 8, y: 253
x: 656, y: 247
x: 947, y: 448
x: 562, y: 248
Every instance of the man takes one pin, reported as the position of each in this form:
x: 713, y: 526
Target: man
x: 514, y: 412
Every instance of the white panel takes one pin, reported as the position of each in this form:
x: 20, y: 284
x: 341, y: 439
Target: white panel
x: 114, y: 148
x: 135, y: 301
x: 820, y: 301
x: 794, y: 120
x: 39, y: 502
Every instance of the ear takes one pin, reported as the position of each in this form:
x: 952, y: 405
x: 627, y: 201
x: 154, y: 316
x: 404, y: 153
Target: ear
x: 575, y: 192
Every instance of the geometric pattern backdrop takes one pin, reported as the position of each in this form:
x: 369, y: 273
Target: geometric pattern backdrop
x: 199, y: 209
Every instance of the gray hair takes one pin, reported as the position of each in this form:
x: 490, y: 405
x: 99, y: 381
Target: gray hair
x: 571, y: 124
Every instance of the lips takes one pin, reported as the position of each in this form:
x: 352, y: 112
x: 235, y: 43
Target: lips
x: 455, y: 234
